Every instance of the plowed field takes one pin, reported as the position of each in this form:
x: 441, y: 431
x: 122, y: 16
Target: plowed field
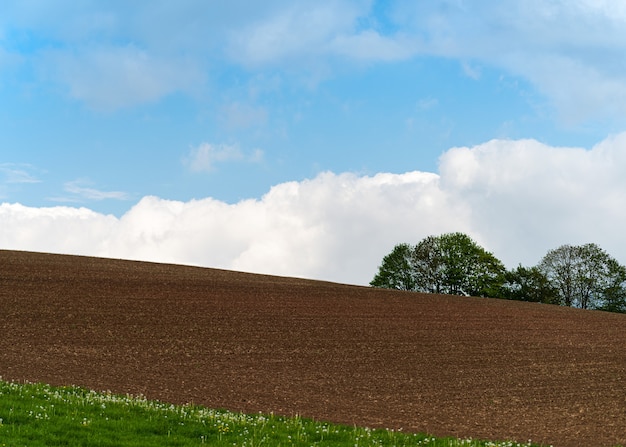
x: 467, y: 367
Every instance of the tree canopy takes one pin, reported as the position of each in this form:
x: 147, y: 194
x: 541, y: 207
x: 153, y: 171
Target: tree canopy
x: 583, y: 276
x: 451, y: 263
x: 529, y: 284
x: 395, y: 271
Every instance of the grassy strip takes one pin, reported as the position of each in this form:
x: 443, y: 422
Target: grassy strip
x: 40, y: 415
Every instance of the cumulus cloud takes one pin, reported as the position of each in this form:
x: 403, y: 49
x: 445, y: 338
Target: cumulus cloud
x: 523, y: 195
x: 55, y: 229
x: 516, y: 198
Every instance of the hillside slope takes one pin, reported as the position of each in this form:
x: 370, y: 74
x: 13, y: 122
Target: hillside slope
x: 446, y: 365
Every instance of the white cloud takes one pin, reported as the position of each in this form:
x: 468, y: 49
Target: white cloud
x: 580, y: 90
x: 14, y: 175
x: 237, y: 115
x: 295, y: 30
x: 119, y: 54
x: 525, y: 197
x: 205, y: 156
x: 517, y: 198
x: 311, y: 33
x: 17, y: 173
x: 57, y: 229
x: 426, y: 104
x: 570, y: 50
x: 471, y: 71
x: 370, y: 45
x: 109, y: 77
x: 80, y: 191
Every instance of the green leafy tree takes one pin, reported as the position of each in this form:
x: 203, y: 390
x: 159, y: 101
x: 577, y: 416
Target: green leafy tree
x: 396, y: 271
x: 468, y: 269
x: 451, y: 263
x: 528, y: 284
x: 585, y: 276
x: 428, y: 265
x: 613, y: 298
x: 560, y: 267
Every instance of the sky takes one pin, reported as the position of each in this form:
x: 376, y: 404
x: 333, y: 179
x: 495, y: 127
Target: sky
x: 304, y: 138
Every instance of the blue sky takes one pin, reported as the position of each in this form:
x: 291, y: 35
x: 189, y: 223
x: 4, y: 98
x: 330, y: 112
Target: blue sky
x: 121, y: 117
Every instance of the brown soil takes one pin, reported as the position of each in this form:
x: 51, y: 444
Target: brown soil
x: 466, y: 367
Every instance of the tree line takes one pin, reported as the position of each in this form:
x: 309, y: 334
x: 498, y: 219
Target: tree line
x: 582, y: 276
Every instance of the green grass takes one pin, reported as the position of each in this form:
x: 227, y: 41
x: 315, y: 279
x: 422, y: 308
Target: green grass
x: 40, y: 415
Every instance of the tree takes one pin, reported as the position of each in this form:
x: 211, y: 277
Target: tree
x: 528, y: 284
x: 396, y: 271
x: 467, y: 268
x: 585, y: 276
x: 428, y: 267
x: 613, y: 298
x: 559, y: 266
x: 451, y: 263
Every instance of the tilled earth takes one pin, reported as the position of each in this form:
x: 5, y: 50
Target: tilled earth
x: 445, y: 365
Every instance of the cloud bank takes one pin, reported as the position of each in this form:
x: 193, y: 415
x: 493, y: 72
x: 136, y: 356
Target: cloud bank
x: 516, y: 198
